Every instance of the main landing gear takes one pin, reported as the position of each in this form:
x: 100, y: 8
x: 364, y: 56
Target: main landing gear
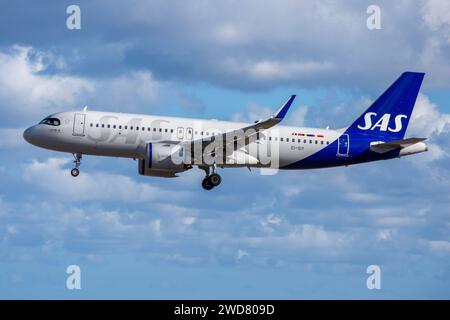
x: 211, y: 180
x: 77, y: 160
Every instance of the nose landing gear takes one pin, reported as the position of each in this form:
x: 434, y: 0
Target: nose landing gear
x: 77, y: 160
x: 211, y: 180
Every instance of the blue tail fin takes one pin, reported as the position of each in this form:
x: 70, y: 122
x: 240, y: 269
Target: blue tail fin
x: 388, y: 116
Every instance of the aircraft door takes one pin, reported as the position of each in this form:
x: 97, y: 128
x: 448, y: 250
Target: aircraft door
x: 78, y: 124
x: 343, y: 145
x: 180, y: 133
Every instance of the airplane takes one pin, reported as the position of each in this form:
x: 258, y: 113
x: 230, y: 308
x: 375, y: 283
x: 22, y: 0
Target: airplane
x: 166, y: 146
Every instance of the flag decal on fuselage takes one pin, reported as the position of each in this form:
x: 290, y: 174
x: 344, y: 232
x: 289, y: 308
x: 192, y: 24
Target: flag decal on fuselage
x: 307, y: 135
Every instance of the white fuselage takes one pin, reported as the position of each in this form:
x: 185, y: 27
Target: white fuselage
x: 126, y: 135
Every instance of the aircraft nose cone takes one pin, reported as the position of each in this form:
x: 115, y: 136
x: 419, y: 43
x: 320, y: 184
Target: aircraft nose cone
x: 28, y: 135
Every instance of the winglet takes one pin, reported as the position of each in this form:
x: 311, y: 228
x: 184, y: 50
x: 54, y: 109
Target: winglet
x: 284, y: 109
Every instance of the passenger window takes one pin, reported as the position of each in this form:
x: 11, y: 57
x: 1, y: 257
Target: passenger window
x: 160, y: 129
x: 103, y: 125
x: 120, y: 126
x: 137, y: 128
x: 171, y: 130
x: 316, y: 141
x: 281, y: 139
x: 165, y: 130
x: 310, y: 141
x: 143, y: 128
x: 131, y: 127
x: 154, y: 129
x: 321, y: 142
x: 96, y: 125
x: 92, y: 124
x: 299, y: 140
x: 109, y: 126
x: 114, y: 126
x: 126, y: 127
x: 270, y: 138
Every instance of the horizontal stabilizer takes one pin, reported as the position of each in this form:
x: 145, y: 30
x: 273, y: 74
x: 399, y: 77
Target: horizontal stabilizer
x: 382, y: 147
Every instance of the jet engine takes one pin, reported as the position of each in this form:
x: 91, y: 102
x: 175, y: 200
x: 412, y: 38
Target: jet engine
x: 162, y: 160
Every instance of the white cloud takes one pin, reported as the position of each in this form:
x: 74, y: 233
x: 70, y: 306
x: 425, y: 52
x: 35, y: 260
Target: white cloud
x: 127, y: 92
x: 392, y: 216
x: 291, y: 190
x: 248, y: 45
x: 11, y: 138
x: 24, y: 84
x: 52, y: 177
x: 228, y: 34
x: 240, y: 254
x: 267, y: 70
x: 188, y: 220
x: 306, y: 236
x: 155, y: 226
x: 440, y: 247
x: 385, y: 234
x: 400, y: 221
x: 270, y: 222
x: 28, y: 90
x: 95, y: 258
x: 297, y: 116
x: 10, y: 229
x: 426, y: 119
x: 361, y: 197
x: 252, y: 113
x: 436, y: 15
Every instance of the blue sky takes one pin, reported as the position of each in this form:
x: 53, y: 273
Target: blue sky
x: 294, y: 235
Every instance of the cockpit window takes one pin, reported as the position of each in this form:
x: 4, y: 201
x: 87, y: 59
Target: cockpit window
x: 51, y: 121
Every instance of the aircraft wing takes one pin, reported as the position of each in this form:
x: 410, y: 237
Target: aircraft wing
x: 382, y: 147
x: 241, y: 136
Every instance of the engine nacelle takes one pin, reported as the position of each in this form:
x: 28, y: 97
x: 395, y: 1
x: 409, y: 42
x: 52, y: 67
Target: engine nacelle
x: 162, y: 160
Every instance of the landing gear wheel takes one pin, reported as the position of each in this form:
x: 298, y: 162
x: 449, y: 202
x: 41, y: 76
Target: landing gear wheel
x: 206, y: 184
x: 75, y: 172
x: 215, y: 179
x: 77, y: 160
